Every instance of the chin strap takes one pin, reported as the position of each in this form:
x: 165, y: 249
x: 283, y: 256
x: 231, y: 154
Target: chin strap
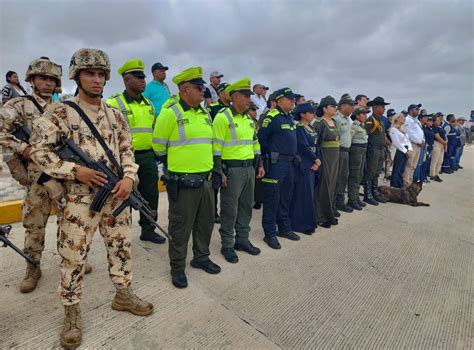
x: 39, y: 93
x: 90, y: 94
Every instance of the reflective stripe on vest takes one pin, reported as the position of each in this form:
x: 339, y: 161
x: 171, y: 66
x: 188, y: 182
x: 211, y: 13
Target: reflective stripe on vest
x: 140, y: 130
x: 179, y: 120
x: 122, y: 108
x: 182, y: 134
x: 233, y: 133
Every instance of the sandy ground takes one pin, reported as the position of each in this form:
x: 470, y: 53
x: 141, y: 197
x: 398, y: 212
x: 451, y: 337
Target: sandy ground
x: 390, y: 276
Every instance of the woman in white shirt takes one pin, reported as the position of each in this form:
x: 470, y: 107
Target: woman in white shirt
x: 402, y: 144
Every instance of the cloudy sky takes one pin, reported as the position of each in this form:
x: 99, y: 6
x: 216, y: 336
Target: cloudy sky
x: 406, y: 51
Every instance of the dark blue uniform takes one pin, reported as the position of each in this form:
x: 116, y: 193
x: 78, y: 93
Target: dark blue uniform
x: 429, y: 139
x: 451, y: 150
x: 277, y: 137
x: 303, y: 211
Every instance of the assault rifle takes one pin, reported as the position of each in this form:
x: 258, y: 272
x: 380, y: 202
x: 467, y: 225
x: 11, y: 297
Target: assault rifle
x: 22, y: 133
x: 4, y: 232
x: 69, y: 151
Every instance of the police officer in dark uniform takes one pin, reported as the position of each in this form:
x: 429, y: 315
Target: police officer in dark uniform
x: 277, y: 137
x: 222, y: 102
x: 448, y: 161
x: 375, y: 151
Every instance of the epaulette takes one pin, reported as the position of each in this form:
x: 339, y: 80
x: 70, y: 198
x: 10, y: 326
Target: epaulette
x: 112, y: 107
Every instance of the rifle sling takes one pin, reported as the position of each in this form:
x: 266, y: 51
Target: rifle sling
x: 37, y: 105
x: 96, y: 134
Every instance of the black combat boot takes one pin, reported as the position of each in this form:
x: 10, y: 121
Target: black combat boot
x: 375, y: 191
x: 368, y: 198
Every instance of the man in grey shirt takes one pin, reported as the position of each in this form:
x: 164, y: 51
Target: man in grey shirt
x: 345, y: 109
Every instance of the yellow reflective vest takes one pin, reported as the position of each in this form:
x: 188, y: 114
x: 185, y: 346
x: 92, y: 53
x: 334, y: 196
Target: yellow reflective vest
x: 234, y: 135
x: 184, y: 135
x: 140, y: 117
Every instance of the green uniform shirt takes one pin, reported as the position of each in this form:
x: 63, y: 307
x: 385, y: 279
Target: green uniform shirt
x: 184, y: 135
x: 140, y: 115
x: 234, y: 135
x: 375, y: 130
x: 358, y: 132
x: 344, y: 128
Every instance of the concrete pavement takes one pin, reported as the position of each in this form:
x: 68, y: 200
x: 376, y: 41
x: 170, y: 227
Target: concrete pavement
x: 391, y: 276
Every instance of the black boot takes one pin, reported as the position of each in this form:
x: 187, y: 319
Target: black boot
x: 375, y: 191
x: 368, y: 193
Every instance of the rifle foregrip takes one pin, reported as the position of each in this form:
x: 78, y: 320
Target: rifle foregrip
x: 121, y: 208
x: 99, y: 200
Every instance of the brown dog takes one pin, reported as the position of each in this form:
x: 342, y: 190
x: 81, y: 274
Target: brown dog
x: 403, y: 195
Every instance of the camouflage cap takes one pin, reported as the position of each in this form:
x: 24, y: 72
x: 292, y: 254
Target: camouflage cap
x: 43, y: 66
x: 360, y: 110
x: 89, y: 59
x: 346, y: 99
x: 327, y: 101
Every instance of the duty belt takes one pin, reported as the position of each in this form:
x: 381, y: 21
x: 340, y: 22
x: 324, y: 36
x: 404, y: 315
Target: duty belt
x: 286, y: 158
x: 344, y: 149
x: 362, y: 145
x: 231, y: 163
x: 207, y: 174
x: 143, y: 151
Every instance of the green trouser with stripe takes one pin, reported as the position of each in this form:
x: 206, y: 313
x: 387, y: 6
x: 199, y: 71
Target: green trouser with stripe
x: 375, y: 157
x: 147, y: 184
x: 193, y: 211
x: 357, y: 156
x: 236, y: 206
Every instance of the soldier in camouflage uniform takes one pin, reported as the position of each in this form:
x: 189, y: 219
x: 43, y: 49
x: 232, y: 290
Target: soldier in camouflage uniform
x: 90, y: 68
x: 44, y: 76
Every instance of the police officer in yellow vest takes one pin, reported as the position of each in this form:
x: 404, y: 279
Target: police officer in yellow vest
x: 140, y: 114
x: 183, y: 141
x: 237, y: 151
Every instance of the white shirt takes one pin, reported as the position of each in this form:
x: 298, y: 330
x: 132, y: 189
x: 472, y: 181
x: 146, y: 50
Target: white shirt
x: 260, y: 102
x: 400, y: 140
x: 414, y: 130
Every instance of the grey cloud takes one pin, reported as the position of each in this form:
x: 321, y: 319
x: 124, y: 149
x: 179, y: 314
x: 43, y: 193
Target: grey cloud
x: 403, y: 50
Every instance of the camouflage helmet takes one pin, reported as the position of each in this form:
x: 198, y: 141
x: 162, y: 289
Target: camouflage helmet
x: 89, y: 59
x: 43, y: 66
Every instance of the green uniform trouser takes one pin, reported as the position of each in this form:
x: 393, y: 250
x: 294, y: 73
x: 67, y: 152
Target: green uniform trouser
x: 375, y: 157
x: 236, y: 206
x: 193, y: 211
x: 357, y: 156
x: 147, y: 184
x: 342, y: 176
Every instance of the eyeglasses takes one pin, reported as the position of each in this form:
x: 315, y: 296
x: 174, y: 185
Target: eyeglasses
x: 198, y: 87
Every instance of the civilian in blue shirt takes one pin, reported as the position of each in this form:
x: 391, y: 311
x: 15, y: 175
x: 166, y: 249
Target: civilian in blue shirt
x: 157, y: 90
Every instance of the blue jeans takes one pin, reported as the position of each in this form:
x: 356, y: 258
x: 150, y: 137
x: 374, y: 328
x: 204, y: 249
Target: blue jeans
x: 399, y: 164
x: 458, y: 155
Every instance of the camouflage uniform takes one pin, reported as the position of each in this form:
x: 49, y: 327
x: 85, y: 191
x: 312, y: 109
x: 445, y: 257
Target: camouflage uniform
x: 19, y: 112
x: 78, y: 224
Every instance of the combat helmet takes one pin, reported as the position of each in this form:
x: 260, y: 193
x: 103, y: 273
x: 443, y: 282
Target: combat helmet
x: 89, y: 59
x: 43, y: 66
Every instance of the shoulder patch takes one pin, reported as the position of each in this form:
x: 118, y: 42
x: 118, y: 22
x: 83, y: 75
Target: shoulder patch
x: 265, y: 122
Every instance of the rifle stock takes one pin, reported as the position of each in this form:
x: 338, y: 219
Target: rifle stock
x: 71, y: 152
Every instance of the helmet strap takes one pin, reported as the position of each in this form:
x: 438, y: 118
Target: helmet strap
x: 90, y: 94
x: 39, y: 93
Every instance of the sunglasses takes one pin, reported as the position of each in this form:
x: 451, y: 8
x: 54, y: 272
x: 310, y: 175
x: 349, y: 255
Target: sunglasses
x: 199, y: 87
